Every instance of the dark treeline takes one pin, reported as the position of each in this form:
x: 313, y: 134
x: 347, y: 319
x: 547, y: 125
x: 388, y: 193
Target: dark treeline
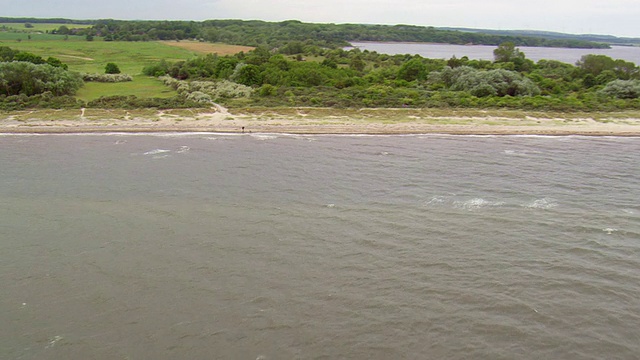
x: 609, y: 39
x: 45, y: 21
x: 276, y: 34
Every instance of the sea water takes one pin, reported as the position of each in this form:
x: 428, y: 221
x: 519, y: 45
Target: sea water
x: 273, y: 246
x: 485, y: 52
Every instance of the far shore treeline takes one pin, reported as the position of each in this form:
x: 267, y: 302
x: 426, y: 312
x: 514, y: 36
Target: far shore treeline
x: 291, y: 67
x: 275, y: 34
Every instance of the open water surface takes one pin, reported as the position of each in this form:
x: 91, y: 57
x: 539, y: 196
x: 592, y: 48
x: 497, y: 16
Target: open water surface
x: 209, y: 246
x: 485, y: 52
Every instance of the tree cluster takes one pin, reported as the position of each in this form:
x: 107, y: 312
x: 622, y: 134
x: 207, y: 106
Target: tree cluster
x: 277, y: 34
x: 357, y: 78
x: 7, y: 55
x: 21, y: 77
x: 23, y: 73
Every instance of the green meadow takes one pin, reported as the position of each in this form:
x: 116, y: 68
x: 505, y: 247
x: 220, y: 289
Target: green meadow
x: 92, y: 56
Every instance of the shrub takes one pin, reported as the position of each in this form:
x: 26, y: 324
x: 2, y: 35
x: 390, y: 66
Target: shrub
x: 214, y: 89
x: 498, y: 82
x: 109, y: 78
x: 622, y: 89
x: 199, y: 97
x: 133, y: 102
x: 111, y: 68
x: 19, y: 77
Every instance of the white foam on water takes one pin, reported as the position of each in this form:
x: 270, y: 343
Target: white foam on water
x: 436, y: 200
x: 514, y: 153
x: 477, y: 203
x: 156, y: 151
x: 330, y: 205
x: 264, y: 136
x: 609, y: 231
x: 183, y: 149
x: 543, y: 203
x: 53, y: 341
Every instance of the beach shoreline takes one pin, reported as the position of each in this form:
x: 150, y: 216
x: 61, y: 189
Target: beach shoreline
x: 321, y: 121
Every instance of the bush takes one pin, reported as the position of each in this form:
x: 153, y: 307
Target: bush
x: 133, y: 102
x: 498, y: 82
x: 19, y: 77
x: 111, y: 68
x: 109, y: 78
x: 199, y: 97
x: 214, y: 89
x: 622, y: 89
x: 45, y: 100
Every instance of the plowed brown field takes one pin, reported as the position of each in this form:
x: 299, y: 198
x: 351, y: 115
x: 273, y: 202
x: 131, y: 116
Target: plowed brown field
x: 209, y: 48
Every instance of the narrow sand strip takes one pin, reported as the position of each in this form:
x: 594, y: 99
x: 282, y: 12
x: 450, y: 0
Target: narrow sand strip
x: 320, y: 121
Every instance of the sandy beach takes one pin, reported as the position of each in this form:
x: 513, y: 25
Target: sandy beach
x: 323, y: 121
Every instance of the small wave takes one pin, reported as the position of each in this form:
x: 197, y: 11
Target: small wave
x: 156, y: 151
x: 330, y: 205
x: 54, y: 340
x: 515, y: 153
x: 477, y: 203
x: 541, y: 204
x: 264, y: 136
x: 436, y: 200
x: 609, y: 231
x: 183, y: 149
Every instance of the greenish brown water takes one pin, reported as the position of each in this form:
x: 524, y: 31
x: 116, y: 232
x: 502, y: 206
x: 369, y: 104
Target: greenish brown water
x: 208, y: 246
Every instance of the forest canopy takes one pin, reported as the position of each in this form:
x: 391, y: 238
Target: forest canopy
x: 277, y: 34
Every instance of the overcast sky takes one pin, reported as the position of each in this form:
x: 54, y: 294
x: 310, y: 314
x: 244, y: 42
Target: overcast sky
x: 612, y: 17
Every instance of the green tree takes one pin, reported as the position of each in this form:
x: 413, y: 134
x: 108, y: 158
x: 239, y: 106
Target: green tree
x: 19, y: 77
x: 507, y: 52
x: 357, y: 63
x: 7, y: 54
x: 595, y: 64
x: 247, y: 74
x: 413, y: 69
x: 63, y: 30
x: 55, y: 62
x: 111, y: 68
x: 28, y: 57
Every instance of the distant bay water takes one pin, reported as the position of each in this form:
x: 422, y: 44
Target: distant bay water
x: 275, y: 246
x: 485, y: 52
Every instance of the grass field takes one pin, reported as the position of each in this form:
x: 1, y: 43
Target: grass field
x: 141, y: 86
x: 92, y: 56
